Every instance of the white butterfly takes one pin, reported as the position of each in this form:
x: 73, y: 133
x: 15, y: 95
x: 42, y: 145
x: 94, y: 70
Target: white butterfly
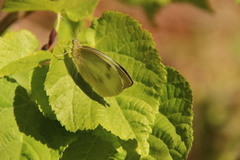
x: 104, y: 75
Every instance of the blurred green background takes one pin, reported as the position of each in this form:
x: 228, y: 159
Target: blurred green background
x: 204, y: 46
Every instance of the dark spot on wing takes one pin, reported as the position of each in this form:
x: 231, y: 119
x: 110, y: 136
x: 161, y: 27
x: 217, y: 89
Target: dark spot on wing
x: 108, y: 75
x: 100, y: 80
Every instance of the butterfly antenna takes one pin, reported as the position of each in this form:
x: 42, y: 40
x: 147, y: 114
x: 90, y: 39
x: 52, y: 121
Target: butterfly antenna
x: 64, y: 53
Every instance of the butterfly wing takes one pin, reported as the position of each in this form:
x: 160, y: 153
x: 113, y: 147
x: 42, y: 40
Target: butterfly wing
x: 105, y: 76
x: 125, y: 77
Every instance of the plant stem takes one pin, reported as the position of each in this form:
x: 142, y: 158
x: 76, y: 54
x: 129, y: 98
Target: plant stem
x: 58, y: 22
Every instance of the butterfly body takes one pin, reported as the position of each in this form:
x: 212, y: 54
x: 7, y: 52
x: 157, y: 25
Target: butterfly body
x: 104, y: 75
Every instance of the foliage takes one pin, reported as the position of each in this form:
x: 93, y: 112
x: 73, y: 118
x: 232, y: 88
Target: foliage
x: 151, y: 6
x: 47, y: 111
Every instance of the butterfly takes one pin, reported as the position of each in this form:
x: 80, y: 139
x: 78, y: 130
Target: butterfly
x: 103, y: 74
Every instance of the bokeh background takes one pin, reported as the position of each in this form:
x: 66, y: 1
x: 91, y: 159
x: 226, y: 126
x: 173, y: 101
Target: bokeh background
x: 204, y: 46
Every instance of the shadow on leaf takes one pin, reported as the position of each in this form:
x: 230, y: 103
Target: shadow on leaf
x: 79, y: 81
x: 39, y: 93
x: 32, y: 123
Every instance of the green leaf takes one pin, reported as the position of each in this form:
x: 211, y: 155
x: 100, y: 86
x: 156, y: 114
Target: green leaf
x: 68, y: 29
x: 38, y: 92
x: 78, y: 10
x: 6, y: 93
x: 75, y: 9
x: 125, y: 150
x: 24, y: 132
x: 23, y: 79
x: 21, y: 69
x: 25, y: 63
x: 130, y: 146
x: 16, y: 45
x: 30, y: 5
x: 128, y: 115
x: 18, y: 56
x: 172, y: 130
x: 89, y: 147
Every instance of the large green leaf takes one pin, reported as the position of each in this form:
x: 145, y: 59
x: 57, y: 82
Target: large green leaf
x: 120, y: 152
x: 19, y: 56
x: 6, y: 93
x: 23, y: 79
x: 128, y: 115
x: 24, y: 132
x: 75, y: 9
x: 16, y: 45
x: 89, y: 147
x: 79, y: 9
x: 17, y: 59
x: 38, y: 93
x: 68, y: 29
x: 172, y: 131
x: 25, y: 64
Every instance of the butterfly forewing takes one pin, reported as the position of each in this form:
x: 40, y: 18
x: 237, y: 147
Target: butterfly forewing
x: 126, y: 79
x: 105, y: 76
